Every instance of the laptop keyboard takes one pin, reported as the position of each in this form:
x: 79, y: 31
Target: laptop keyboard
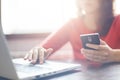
x: 30, y: 68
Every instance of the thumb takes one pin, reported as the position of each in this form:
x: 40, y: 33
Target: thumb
x: 102, y: 42
x: 48, y: 52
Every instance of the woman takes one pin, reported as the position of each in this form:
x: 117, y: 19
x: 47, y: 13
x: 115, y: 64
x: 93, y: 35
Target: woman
x: 97, y: 16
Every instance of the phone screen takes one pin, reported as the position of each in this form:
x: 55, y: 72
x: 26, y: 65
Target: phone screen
x: 92, y: 38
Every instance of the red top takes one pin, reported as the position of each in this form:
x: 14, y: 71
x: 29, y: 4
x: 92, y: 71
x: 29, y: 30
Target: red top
x: 71, y: 31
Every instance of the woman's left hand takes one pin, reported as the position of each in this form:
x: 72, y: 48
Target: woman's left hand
x: 102, y: 54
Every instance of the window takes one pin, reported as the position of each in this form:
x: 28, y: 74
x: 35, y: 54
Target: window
x: 117, y: 6
x: 35, y: 16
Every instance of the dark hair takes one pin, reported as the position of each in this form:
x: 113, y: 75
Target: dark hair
x: 107, y: 16
x: 106, y: 25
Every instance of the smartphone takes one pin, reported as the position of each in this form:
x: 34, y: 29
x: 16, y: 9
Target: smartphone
x: 92, y: 38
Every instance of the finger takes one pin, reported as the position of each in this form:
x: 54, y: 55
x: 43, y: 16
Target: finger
x: 35, y: 55
x: 94, y: 52
x: 48, y: 52
x: 82, y: 50
x: 100, y: 60
x: 94, y: 46
x: 30, y: 55
x: 89, y: 57
x: 102, y: 42
x: 26, y: 56
x: 96, y: 58
x: 41, y: 55
x: 97, y: 47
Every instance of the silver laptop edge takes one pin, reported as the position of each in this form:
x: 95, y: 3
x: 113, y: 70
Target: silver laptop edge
x: 5, y: 58
x: 4, y: 49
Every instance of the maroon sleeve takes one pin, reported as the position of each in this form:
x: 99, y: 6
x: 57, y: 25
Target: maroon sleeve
x: 57, y: 39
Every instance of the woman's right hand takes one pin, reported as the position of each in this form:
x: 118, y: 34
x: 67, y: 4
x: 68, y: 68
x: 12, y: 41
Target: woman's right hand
x: 38, y: 54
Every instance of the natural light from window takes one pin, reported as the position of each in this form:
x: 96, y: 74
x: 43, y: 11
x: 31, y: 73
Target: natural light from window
x: 37, y: 16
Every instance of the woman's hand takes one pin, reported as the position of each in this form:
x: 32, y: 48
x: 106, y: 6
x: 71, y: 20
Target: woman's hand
x: 102, y: 54
x: 38, y: 54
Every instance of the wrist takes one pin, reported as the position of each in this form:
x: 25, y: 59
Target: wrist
x: 116, y: 55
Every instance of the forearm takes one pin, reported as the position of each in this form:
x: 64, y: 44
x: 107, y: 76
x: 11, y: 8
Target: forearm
x: 57, y: 39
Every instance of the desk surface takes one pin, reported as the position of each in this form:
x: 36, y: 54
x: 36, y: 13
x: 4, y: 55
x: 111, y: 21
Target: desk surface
x: 106, y: 72
x: 109, y: 71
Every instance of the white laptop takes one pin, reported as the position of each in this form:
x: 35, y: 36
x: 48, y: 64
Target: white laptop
x: 24, y: 70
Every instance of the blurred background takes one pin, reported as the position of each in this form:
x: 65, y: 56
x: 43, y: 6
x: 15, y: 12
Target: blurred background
x: 27, y: 23
x: 38, y: 16
x: 35, y: 16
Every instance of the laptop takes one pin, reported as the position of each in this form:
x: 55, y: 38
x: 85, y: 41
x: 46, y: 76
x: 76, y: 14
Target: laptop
x: 20, y: 69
